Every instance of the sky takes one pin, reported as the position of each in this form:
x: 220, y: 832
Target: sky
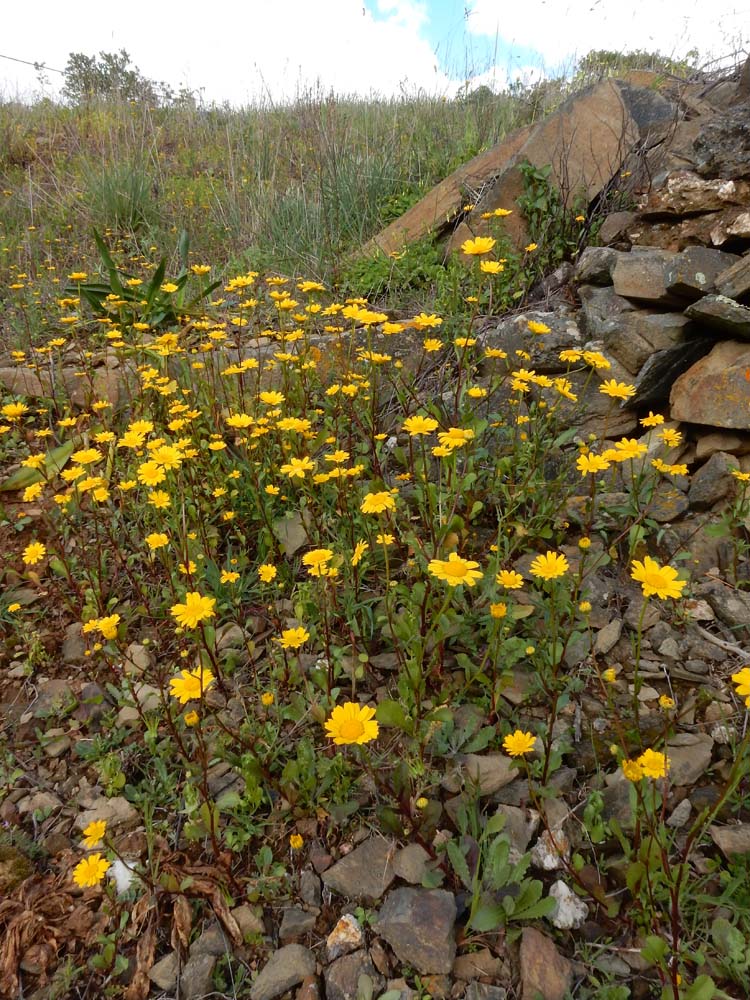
x: 256, y: 50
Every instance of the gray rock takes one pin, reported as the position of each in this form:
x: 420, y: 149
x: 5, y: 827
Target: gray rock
x: 689, y: 757
x: 713, y: 481
x: 483, y: 991
x: 138, y: 659
x: 639, y: 275
x: 295, y: 923
x: 617, y: 803
x: 488, y: 773
x: 544, y: 971
x: 615, y: 226
x: 365, y: 873
x: 347, y: 936
x: 717, y: 312
x: 310, y: 889
x: 608, y: 636
x: 56, y: 742
x: 571, y: 911
x: 735, y: 281
x: 118, y: 813
x: 595, y: 266
x: 693, y: 273
x: 640, y: 334
x: 708, y: 444
x: 667, y: 503
x: 342, y: 976
x: 74, y: 645
x: 229, y: 636
x: 38, y: 802
x: 680, y: 814
x: 731, y: 607
x: 481, y: 964
x: 286, y: 968
x: 419, y: 925
x: 722, y: 149
x: 701, y: 395
x: 731, y: 840
x: 662, y: 369
x: 249, y: 921
x: 601, y: 312
x: 197, y: 977
x: 164, y: 972
x: 410, y: 863
x: 520, y: 826
x: 211, y: 942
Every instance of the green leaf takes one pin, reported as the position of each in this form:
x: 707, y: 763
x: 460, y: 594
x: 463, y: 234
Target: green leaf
x: 392, y: 713
x: 54, y: 462
x: 654, y: 950
x: 458, y: 860
x: 703, y: 988
x: 487, y: 917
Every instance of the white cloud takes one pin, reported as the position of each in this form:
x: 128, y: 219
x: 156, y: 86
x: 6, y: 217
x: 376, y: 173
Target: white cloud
x: 238, y: 51
x: 561, y: 29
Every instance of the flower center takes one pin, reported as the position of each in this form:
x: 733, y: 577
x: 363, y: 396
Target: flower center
x: 352, y: 729
x: 456, y: 568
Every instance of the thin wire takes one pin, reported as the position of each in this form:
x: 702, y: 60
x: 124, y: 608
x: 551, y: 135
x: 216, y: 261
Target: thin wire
x: 36, y: 65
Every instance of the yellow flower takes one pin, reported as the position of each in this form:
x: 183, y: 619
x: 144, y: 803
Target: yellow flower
x: 15, y: 606
x: 316, y: 561
x: 78, y: 275
x: 742, y: 680
x: 491, y: 267
x: 652, y: 420
x: 610, y: 675
x: 743, y: 477
x: 272, y: 398
x: 352, y: 723
x: 530, y: 248
x: 499, y: 610
x: 518, y: 744
x: 432, y: 344
x: 666, y: 702
x: 229, y: 576
x: 191, y: 718
x: 32, y: 492
x: 584, y: 543
x: 535, y: 327
x: 157, y: 498
x: 90, y: 871
x: 656, y: 579
x: 509, y: 579
x: 293, y: 638
x: 196, y: 609
x: 151, y: 474
x: 479, y: 245
x: 34, y: 553
x: 455, y: 437
x: 200, y: 269
x: 549, y: 565
x: 296, y: 841
x: 455, y: 570
x: 385, y: 539
x: 584, y: 607
x: 108, y: 626
x: 169, y: 287
x: 653, y: 764
x: 94, y: 833
x: 267, y: 572
x: 591, y: 463
x: 297, y: 467
x: 420, y: 425
x: 670, y: 437
x: 190, y: 684
x: 632, y: 770
x: 359, y: 550
x: 157, y: 540
x: 376, y: 503
x: 617, y: 390
x: 267, y: 699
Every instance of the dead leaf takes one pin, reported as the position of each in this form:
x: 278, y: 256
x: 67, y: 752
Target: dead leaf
x: 182, y: 923
x: 140, y: 984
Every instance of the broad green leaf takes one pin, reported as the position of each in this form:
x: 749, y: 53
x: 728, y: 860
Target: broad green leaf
x: 654, y: 950
x: 488, y: 917
x: 392, y: 713
x: 54, y: 462
x: 704, y: 988
x: 458, y: 860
